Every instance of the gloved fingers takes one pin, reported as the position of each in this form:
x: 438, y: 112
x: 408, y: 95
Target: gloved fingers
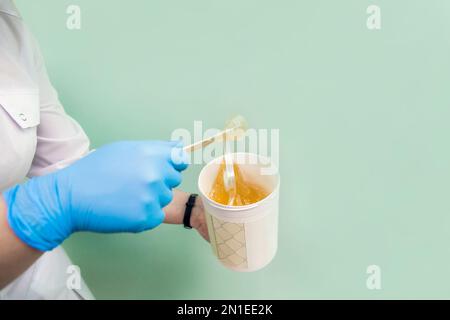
x: 164, y: 143
x: 163, y: 146
x: 172, y: 178
x: 179, y: 158
x: 155, y: 217
x: 177, y: 143
x: 165, y: 196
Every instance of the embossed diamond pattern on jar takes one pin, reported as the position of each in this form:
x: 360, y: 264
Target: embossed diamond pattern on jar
x: 230, y: 241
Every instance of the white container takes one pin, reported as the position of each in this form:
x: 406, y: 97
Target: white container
x: 244, y: 238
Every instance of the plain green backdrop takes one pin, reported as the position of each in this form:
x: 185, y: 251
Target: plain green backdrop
x: 364, y: 135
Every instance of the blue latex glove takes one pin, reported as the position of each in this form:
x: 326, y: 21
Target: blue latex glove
x: 121, y: 187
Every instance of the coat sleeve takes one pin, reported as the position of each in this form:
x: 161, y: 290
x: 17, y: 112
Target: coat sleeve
x: 60, y: 139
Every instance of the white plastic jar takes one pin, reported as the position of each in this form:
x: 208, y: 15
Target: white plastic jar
x: 244, y: 238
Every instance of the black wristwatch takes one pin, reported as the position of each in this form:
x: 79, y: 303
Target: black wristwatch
x: 187, y: 213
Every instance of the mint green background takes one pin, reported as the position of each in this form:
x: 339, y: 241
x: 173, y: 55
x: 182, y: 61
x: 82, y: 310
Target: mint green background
x: 364, y: 122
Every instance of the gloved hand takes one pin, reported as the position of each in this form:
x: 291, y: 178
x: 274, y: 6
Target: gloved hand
x: 121, y: 187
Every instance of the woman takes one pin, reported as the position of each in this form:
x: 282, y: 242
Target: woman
x: 121, y: 187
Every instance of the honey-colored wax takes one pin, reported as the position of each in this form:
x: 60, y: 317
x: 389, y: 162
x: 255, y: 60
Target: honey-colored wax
x: 245, y: 192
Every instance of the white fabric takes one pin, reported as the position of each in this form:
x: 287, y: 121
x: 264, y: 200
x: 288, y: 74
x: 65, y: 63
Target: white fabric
x: 36, y: 137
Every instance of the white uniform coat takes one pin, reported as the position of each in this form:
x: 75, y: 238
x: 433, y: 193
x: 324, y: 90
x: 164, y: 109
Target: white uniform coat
x: 36, y: 137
